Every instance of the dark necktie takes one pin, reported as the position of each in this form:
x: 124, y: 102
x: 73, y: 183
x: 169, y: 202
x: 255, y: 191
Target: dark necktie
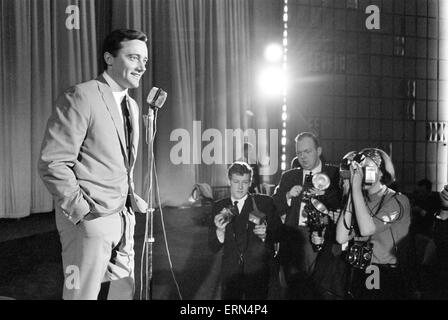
x: 308, y: 183
x: 127, y: 126
x: 235, y: 208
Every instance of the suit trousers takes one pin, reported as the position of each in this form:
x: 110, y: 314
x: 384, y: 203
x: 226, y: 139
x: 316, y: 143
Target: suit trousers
x: 96, y: 251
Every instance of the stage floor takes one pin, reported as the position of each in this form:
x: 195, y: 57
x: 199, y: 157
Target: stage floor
x: 30, y: 267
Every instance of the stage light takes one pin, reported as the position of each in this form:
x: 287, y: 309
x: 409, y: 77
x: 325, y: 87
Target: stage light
x: 273, y: 53
x: 271, y: 81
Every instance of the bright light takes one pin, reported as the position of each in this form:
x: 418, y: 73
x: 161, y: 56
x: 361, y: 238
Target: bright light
x: 284, y: 91
x: 273, y: 52
x: 271, y: 81
x: 284, y: 141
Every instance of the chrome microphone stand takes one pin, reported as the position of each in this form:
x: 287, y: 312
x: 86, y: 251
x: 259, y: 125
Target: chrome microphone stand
x: 149, y: 120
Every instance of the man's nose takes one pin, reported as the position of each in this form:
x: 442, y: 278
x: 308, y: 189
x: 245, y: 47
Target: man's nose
x: 141, y: 66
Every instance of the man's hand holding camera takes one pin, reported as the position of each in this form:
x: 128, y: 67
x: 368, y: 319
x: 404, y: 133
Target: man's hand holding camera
x: 356, y: 175
x: 260, y: 231
x: 294, y: 192
x: 316, y: 238
x: 222, y: 219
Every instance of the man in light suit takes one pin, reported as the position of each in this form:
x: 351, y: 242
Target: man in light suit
x: 86, y: 162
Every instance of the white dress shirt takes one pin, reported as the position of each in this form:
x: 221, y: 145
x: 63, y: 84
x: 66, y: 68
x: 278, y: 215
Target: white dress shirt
x: 240, y: 203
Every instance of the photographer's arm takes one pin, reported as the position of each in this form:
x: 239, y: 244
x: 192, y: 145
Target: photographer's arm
x: 365, y: 221
x: 343, y: 225
x: 216, y: 234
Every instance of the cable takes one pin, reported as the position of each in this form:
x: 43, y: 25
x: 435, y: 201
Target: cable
x: 153, y: 169
x: 165, y: 237
x: 161, y: 215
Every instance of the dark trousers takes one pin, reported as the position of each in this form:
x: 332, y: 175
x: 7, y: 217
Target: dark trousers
x: 245, y: 287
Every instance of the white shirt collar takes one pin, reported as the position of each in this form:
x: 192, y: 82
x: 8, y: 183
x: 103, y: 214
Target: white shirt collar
x: 314, y: 171
x: 115, y: 87
x: 117, y: 91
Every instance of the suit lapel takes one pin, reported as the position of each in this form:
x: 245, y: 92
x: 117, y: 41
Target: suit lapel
x: 133, y: 110
x: 110, y: 103
x: 247, y: 207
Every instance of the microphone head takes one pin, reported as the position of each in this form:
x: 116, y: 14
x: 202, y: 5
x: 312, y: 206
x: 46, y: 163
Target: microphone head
x: 156, y: 98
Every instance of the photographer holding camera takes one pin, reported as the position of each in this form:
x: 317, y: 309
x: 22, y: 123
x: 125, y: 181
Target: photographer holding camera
x: 297, y: 255
x: 375, y: 223
x: 246, y: 227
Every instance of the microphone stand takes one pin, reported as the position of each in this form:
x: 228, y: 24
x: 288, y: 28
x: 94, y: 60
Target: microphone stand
x: 149, y: 121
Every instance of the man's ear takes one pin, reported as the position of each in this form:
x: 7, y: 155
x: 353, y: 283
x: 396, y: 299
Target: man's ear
x: 108, y: 58
x: 319, y: 151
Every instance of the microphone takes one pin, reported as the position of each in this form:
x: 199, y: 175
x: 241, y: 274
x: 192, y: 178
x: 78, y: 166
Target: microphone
x: 156, y: 98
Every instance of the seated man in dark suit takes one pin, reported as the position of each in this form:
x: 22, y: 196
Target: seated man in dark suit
x: 246, y: 227
x: 297, y: 256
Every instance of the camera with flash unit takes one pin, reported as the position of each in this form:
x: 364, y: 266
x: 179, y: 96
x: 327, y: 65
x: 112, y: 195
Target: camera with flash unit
x: 319, y: 181
x: 369, y: 172
x: 315, y: 210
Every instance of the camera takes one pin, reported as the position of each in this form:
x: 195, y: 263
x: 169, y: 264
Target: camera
x: 320, y: 181
x: 344, y: 166
x: 257, y: 217
x: 318, y: 220
x: 230, y: 213
x: 360, y: 254
x: 369, y: 172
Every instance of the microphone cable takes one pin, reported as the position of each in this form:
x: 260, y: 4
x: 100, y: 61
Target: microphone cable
x: 154, y: 168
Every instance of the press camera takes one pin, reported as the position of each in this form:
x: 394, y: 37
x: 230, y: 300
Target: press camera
x: 369, y: 172
x: 360, y: 254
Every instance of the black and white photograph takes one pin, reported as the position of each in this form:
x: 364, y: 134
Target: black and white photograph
x: 226, y: 155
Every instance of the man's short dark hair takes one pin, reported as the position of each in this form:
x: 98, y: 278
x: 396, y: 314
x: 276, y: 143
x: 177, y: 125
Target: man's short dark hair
x: 112, y: 43
x: 240, y: 168
x: 311, y: 135
x: 425, y: 183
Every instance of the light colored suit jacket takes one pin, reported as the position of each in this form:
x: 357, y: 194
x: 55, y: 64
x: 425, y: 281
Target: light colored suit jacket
x: 83, y: 161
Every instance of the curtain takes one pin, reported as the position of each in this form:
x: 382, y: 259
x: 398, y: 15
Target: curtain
x: 202, y: 50
x: 40, y: 58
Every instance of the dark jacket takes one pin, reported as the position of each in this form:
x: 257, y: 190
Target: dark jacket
x: 295, y: 245
x: 240, y: 239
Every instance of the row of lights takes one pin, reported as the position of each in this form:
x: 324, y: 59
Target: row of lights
x: 284, y: 93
